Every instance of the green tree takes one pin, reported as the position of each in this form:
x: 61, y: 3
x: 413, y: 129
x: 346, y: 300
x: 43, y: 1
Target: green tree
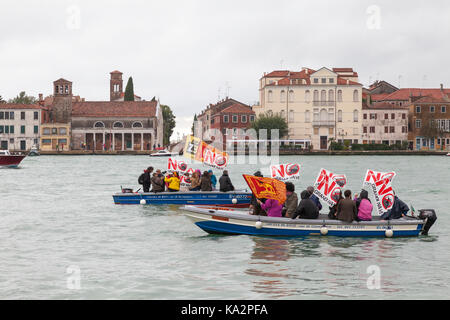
x: 193, y: 124
x: 270, y: 122
x: 22, y: 98
x: 129, y: 90
x: 169, y: 123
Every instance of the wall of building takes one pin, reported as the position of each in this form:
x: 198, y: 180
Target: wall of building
x: 25, y: 131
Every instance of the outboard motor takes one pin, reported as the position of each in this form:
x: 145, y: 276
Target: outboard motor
x: 430, y: 217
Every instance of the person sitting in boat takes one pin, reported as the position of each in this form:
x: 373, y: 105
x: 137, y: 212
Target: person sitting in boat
x: 364, y: 206
x: 306, y: 209
x: 213, y: 179
x: 346, y: 208
x: 255, y: 208
x: 333, y: 210
x: 225, y: 182
x: 399, y: 209
x: 205, y: 182
x: 173, y: 182
x: 272, y: 207
x: 314, y: 198
x: 158, y: 184
x: 291, y: 203
x: 195, y: 181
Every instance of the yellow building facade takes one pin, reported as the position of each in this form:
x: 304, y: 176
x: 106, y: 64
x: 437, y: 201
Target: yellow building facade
x: 55, y: 137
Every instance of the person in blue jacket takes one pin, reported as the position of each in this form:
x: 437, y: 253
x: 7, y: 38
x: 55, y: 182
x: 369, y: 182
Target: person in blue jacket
x: 398, y: 210
x: 313, y: 197
x: 213, y: 179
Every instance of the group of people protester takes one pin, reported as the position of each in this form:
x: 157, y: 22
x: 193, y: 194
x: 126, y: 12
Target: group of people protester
x: 161, y: 181
x: 346, y: 209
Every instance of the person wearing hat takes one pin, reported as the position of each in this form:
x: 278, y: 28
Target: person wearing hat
x: 145, y: 179
x: 173, y: 182
x: 290, y: 205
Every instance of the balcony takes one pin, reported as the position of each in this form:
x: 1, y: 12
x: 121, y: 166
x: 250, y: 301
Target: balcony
x: 323, y: 123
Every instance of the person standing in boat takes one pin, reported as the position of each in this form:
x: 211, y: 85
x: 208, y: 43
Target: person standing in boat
x: 195, y: 181
x: 346, y: 208
x: 306, y: 209
x: 205, y: 182
x: 291, y: 203
x: 225, y: 182
x: 314, y: 198
x: 213, y: 179
x: 173, y: 182
x: 399, y: 209
x: 255, y: 208
x: 145, y: 179
x: 157, y: 181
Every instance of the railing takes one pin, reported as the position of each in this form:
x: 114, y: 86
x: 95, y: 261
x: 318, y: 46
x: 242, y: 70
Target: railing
x: 323, y: 123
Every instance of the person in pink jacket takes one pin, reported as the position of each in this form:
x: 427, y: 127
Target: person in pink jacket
x: 364, y: 206
x: 272, y: 207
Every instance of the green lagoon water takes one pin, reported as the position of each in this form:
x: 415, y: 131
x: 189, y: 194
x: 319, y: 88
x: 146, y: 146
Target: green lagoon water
x: 57, y: 215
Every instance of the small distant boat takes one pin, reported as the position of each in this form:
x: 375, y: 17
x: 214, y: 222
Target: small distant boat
x: 34, y: 151
x: 235, y: 222
x: 163, y: 153
x: 448, y: 154
x: 10, y: 160
x: 234, y: 199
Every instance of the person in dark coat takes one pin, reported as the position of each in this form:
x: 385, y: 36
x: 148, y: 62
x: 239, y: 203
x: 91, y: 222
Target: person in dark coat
x: 157, y: 180
x: 145, y: 179
x: 333, y: 210
x: 291, y: 203
x: 306, y: 209
x: 314, y: 198
x: 205, y: 182
x: 346, y: 208
x: 255, y: 208
x: 398, y: 210
x: 225, y: 182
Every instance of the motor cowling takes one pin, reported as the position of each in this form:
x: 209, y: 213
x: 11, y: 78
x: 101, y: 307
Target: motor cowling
x: 430, y: 216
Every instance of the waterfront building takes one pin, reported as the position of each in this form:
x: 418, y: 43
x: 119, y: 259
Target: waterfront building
x: 20, y: 126
x: 430, y: 122
x: 55, y: 136
x: 319, y: 105
x: 384, y: 123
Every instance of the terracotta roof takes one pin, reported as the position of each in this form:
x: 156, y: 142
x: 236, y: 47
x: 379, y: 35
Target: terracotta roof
x: 138, y: 109
x: 341, y: 81
x: 238, y: 108
x: 405, y: 93
x: 383, y: 106
x: 288, y: 76
x: 431, y: 99
x: 19, y: 106
x: 123, y: 95
x: 342, y: 69
x: 116, y: 71
x: 277, y: 73
x: 379, y: 97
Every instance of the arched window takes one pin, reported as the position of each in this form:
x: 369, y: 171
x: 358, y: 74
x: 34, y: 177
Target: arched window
x: 118, y: 124
x: 99, y: 124
x: 323, y: 96
x: 307, y: 96
x: 355, y: 96
x: 330, y: 95
x: 283, y: 96
x: 270, y: 96
x: 269, y: 113
x: 282, y: 114
x: 316, y: 95
x: 339, y: 115
x: 291, y: 115
x: 355, y: 115
x: 137, y: 124
x: 339, y: 96
x: 291, y: 95
x: 307, y: 116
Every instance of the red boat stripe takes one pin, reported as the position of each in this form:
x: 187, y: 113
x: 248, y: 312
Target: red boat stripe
x: 220, y: 218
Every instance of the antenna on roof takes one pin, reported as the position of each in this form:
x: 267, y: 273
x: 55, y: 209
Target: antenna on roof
x: 218, y: 95
x: 227, y: 86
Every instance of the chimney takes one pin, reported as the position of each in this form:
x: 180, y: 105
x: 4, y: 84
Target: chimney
x: 442, y: 87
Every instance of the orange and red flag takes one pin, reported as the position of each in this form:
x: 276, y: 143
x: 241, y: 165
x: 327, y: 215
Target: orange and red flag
x: 267, y: 188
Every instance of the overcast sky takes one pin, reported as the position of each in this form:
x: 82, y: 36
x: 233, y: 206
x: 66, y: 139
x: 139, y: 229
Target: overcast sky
x: 190, y: 53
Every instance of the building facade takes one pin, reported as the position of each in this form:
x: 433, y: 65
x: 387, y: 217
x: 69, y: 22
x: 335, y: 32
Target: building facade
x: 55, y: 136
x: 430, y: 123
x: 384, y: 123
x: 319, y: 106
x: 19, y: 126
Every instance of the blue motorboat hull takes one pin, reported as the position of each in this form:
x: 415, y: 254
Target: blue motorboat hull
x: 233, y: 199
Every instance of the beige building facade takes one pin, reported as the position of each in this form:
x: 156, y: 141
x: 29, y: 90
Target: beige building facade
x: 319, y: 106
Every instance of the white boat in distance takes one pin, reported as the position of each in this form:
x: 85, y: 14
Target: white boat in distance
x: 163, y: 153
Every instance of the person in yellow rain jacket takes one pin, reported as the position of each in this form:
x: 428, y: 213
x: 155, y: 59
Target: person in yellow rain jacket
x: 173, y: 182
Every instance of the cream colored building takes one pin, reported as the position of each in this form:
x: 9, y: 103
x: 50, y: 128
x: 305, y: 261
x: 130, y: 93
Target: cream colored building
x: 318, y: 105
